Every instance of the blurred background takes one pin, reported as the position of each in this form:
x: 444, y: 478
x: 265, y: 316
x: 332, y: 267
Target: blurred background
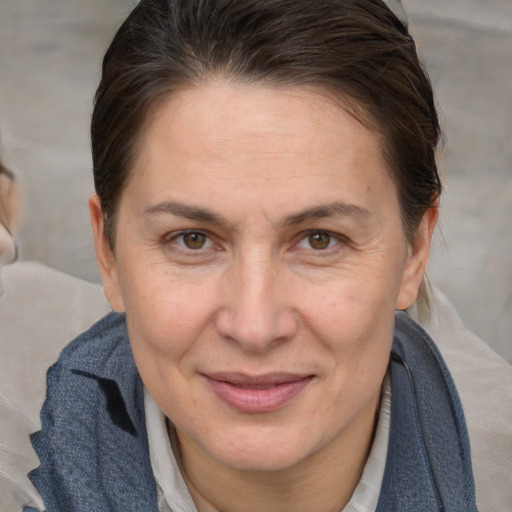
x: 50, y: 55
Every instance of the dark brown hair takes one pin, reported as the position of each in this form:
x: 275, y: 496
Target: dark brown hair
x: 357, y: 50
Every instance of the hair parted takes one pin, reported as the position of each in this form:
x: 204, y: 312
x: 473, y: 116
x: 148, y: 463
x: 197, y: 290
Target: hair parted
x: 356, y: 50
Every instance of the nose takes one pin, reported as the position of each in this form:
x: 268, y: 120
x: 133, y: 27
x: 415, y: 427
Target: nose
x: 257, y: 315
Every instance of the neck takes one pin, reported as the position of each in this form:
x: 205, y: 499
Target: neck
x: 323, y: 482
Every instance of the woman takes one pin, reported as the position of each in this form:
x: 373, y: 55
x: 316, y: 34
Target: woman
x: 266, y: 193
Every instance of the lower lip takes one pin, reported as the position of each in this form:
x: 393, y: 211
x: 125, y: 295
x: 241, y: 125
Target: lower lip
x: 253, y: 400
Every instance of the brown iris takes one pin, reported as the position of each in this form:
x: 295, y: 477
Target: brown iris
x: 194, y: 240
x: 319, y: 240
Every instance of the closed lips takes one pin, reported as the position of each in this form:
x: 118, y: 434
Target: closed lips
x: 261, y: 382
x: 257, y: 394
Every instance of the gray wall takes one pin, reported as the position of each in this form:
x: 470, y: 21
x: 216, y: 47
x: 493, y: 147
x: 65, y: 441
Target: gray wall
x: 467, y: 47
x: 50, y: 53
x: 50, y: 57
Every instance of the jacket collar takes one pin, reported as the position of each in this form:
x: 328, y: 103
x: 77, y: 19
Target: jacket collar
x: 107, y: 356
x: 428, y: 465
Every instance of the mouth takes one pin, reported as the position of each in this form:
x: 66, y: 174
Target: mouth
x: 258, y: 394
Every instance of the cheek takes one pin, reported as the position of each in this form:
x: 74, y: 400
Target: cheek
x: 355, y: 325
x: 167, y: 323
x: 353, y: 307
x: 165, y: 315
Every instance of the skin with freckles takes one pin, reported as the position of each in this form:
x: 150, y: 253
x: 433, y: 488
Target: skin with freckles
x: 260, y: 258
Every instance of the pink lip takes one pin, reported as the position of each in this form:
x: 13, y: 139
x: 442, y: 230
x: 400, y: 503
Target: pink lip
x: 257, y: 394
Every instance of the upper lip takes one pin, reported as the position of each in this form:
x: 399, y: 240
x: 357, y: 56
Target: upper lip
x: 245, y: 380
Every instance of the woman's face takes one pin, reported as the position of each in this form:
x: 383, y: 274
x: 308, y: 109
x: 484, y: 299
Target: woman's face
x: 260, y: 258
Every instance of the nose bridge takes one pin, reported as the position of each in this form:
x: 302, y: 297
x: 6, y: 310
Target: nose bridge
x: 257, y: 315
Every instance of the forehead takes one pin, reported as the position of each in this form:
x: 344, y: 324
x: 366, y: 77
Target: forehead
x: 225, y: 135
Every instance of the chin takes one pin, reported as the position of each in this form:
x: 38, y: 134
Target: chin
x: 264, y: 450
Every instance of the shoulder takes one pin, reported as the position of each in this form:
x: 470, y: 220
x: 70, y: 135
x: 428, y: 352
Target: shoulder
x: 95, y: 374
x: 94, y: 366
x: 484, y: 384
x: 98, y: 362
x: 94, y: 349
x: 92, y: 425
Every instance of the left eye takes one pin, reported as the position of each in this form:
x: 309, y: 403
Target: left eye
x: 318, y: 240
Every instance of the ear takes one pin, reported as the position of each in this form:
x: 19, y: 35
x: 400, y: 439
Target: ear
x: 417, y: 259
x: 105, y: 257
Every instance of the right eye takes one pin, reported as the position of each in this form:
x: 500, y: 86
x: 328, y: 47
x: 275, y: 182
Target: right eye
x: 192, y: 240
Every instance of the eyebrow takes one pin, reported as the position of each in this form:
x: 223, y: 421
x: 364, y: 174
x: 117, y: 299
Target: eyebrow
x: 186, y: 211
x: 336, y: 209
x: 196, y: 213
